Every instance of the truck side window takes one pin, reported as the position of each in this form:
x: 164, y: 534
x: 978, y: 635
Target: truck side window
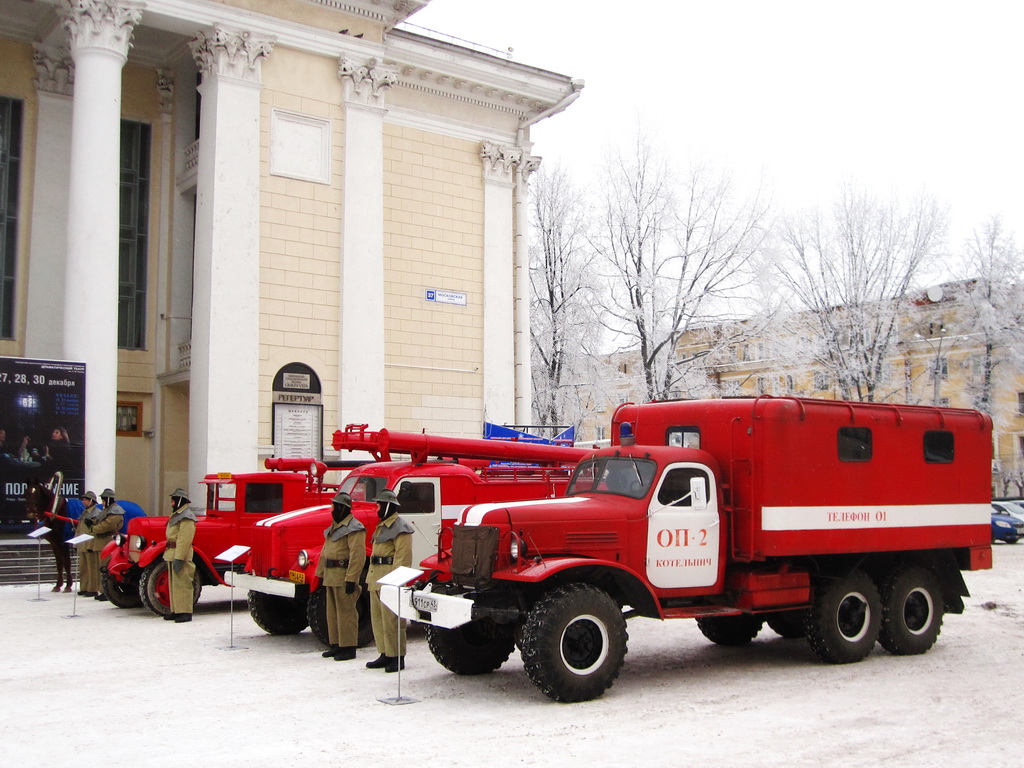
x: 416, y: 498
x: 221, y: 497
x: 938, y: 447
x: 683, y: 437
x: 854, y: 444
x: 364, y: 488
x: 264, y: 498
x: 675, y: 488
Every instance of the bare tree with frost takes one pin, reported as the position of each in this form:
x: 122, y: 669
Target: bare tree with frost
x: 676, y: 252
x: 563, y: 309
x: 849, y: 272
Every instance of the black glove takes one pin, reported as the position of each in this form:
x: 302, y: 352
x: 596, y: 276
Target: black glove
x: 177, y: 565
x: 89, y: 523
x: 350, y: 587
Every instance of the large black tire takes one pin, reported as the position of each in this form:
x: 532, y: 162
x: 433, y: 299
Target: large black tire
x: 730, y: 630
x: 154, y: 592
x: 574, y: 643
x: 316, y: 616
x: 788, y: 624
x: 278, y: 615
x: 475, y: 648
x: 121, y: 594
x: 912, y: 608
x: 844, y: 619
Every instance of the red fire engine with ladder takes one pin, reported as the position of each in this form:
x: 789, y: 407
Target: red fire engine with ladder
x: 845, y: 523
x: 443, y: 476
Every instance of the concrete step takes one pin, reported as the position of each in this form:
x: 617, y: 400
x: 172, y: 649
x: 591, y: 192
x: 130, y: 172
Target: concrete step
x: 27, y: 562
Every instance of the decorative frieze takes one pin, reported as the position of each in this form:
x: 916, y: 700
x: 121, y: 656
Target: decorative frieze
x: 230, y: 53
x: 55, y: 72
x: 366, y: 84
x: 107, y: 24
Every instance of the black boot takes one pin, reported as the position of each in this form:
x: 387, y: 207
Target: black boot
x: 170, y: 616
x: 331, y: 651
x: 101, y: 597
x: 395, y: 663
x: 345, y: 654
x: 181, y: 618
x: 379, y: 663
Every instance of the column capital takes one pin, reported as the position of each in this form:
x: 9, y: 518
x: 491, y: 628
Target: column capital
x: 502, y: 162
x: 55, y: 70
x: 231, y: 53
x: 106, y: 24
x: 366, y: 84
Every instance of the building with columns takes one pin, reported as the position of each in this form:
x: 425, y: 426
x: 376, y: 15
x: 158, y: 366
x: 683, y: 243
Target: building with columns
x: 257, y: 222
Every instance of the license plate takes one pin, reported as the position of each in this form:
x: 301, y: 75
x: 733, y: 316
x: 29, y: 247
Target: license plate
x: 297, y: 576
x: 424, y: 603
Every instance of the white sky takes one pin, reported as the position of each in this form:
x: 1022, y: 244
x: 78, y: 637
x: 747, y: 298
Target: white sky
x: 904, y: 96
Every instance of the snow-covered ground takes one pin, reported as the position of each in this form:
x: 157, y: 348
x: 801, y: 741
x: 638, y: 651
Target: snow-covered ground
x: 123, y: 688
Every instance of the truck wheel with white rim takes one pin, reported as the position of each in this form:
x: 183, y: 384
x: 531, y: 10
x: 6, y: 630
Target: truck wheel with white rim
x: 475, y: 648
x: 155, y: 588
x: 123, y: 594
x: 730, y: 630
x: 845, y: 618
x: 574, y: 642
x: 277, y: 615
x: 912, y: 607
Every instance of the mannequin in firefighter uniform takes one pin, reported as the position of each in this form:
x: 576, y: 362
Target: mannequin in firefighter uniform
x: 392, y: 548
x: 101, y: 524
x: 340, y: 568
x: 181, y: 529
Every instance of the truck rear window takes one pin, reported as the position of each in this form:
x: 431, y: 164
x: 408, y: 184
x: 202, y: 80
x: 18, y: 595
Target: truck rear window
x: 854, y: 444
x: 938, y: 447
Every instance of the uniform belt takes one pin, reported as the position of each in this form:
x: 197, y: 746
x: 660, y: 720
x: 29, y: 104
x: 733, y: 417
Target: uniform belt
x: 376, y: 560
x: 335, y: 563
x: 170, y: 545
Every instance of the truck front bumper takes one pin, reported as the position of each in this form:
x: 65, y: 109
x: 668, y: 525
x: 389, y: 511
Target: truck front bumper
x: 277, y: 587
x: 427, y: 607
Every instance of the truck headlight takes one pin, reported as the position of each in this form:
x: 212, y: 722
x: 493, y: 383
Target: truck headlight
x: 516, y: 547
x: 140, y: 543
x: 303, y: 558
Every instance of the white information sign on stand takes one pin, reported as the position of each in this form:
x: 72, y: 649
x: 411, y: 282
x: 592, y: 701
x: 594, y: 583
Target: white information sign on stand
x: 230, y: 555
x: 74, y: 603
x: 37, y: 534
x: 395, y: 582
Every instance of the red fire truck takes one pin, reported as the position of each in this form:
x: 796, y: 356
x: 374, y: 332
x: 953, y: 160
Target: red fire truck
x: 443, y: 476
x: 137, y: 573
x: 845, y: 523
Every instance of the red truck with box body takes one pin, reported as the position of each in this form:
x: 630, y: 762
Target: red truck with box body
x: 136, y: 573
x: 842, y: 522
x: 441, y: 479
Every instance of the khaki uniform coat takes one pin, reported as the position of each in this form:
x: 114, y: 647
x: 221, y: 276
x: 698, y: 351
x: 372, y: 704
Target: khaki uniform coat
x: 344, y: 541
x: 105, y: 523
x: 181, y: 530
x: 391, y: 538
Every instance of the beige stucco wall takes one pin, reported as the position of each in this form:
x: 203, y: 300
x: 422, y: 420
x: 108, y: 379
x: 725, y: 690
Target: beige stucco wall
x: 433, y: 236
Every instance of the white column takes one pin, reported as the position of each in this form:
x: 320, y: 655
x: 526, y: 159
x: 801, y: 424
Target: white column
x: 523, y: 343
x: 44, y: 315
x: 224, y: 381
x: 500, y: 163
x: 100, y: 35
x: 361, y: 310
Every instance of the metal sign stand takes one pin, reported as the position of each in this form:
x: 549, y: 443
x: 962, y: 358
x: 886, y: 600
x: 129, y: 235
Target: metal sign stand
x: 74, y: 603
x: 37, y: 534
x: 229, y: 556
x: 397, y: 580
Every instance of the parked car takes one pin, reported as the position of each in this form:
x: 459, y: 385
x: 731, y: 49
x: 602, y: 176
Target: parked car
x: 1006, y: 525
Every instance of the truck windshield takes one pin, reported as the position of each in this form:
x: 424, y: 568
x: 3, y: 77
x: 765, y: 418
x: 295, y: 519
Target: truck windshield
x: 619, y: 475
x: 363, y: 487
